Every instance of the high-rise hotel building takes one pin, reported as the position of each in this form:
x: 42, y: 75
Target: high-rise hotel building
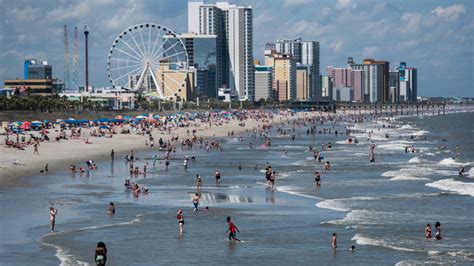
x: 304, y: 53
x: 233, y: 26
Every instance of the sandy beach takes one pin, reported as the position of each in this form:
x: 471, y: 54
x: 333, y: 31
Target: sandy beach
x: 60, y: 154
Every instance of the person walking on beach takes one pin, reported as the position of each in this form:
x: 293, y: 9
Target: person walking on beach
x: 232, y: 230
x: 438, y: 231
x: 334, y: 241
x: 180, y: 218
x: 35, y: 146
x: 196, y: 201
x: 52, y: 217
x: 100, y: 256
x: 112, y: 155
x: 428, y: 231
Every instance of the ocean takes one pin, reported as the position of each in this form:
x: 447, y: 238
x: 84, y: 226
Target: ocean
x: 381, y: 208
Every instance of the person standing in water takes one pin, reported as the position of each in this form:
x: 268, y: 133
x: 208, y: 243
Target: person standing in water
x: 112, y: 155
x: 334, y: 241
x: 217, y: 175
x: 196, y: 201
x: 272, y: 179
x: 180, y: 218
x: 100, y: 256
x: 327, y: 166
x: 428, y: 231
x: 438, y: 231
x: 461, y: 171
x: 198, y: 182
x: 317, y: 178
x: 52, y: 217
x: 232, y: 230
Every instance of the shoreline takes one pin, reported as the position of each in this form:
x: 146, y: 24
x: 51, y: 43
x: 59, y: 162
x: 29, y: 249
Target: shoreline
x: 59, y: 155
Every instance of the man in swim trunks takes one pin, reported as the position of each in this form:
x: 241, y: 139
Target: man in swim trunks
x: 196, y: 201
x: 52, y: 217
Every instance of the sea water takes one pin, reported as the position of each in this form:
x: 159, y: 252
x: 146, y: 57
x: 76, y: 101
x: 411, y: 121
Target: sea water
x: 382, y: 208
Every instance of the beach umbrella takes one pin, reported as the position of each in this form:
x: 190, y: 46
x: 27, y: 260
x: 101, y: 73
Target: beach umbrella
x: 157, y: 116
x: 36, y: 122
x: 119, y: 117
x: 140, y: 117
x: 103, y: 120
x: 104, y: 127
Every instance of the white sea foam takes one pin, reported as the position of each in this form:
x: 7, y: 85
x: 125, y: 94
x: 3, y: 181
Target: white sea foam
x: 333, y: 204
x: 434, y: 252
x: 363, y: 240
x: 408, y: 178
x: 414, y: 160
x: 416, y: 173
x: 294, y: 191
x: 298, y: 163
x: 450, y: 162
x: 470, y: 173
x: 462, y: 253
x: 459, y: 187
x: 420, y: 133
x: 406, y: 127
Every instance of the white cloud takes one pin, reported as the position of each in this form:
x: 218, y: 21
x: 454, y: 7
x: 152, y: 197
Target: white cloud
x: 132, y: 13
x: 449, y: 13
x: 80, y: 10
x: 412, y: 21
x: 296, y: 2
x: 24, y: 14
x: 336, y: 46
x: 341, y: 4
x: 263, y: 18
x: 370, y: 51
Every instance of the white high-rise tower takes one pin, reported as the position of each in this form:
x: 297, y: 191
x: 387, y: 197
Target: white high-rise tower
x: 233, y: 26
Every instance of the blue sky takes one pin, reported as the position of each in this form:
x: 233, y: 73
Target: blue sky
x: 434, y: 36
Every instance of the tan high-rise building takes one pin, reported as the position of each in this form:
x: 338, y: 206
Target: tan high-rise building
x: 285, y: 75
x: 173, y: 90
x: 303, y: 82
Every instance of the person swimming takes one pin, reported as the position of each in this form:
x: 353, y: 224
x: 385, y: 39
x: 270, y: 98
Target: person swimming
x: 111, y: 209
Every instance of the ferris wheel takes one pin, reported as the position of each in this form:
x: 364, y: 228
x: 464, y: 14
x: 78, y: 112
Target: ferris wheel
x: 148, y: 58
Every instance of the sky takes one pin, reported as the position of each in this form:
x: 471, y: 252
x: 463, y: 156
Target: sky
x: 434, y: 36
